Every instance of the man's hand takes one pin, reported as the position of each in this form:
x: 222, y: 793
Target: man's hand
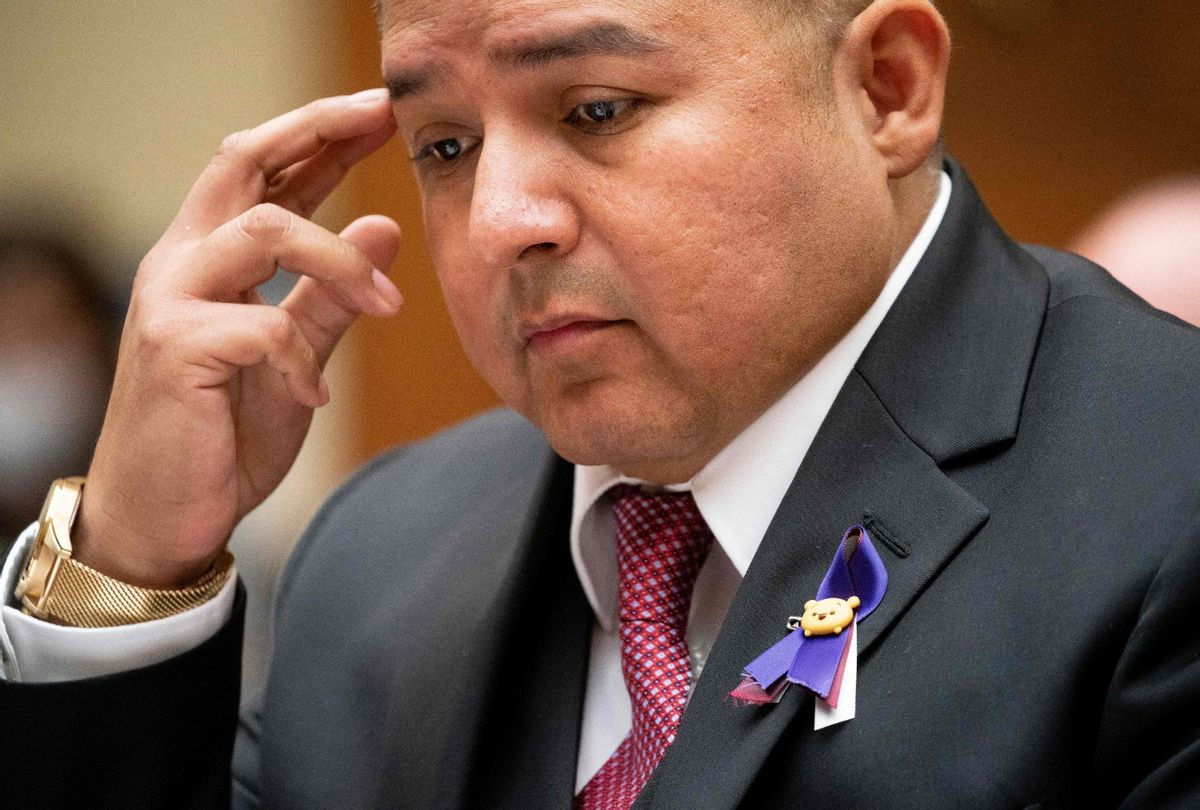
x: 214, y: 388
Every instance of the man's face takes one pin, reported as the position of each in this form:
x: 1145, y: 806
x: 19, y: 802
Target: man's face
x: 647, y: 219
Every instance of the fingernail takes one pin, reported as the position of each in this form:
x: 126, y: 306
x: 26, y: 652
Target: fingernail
x: 387, y: 291
x: 323, y: 390
x: 372, y: 96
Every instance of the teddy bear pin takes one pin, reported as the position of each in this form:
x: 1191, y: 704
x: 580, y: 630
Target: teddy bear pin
x: 823, y: 617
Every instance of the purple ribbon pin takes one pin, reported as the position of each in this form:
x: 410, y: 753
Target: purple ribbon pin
x: 816, y: 662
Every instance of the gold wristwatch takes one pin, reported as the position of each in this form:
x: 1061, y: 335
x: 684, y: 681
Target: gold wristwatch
x: 62, y: 590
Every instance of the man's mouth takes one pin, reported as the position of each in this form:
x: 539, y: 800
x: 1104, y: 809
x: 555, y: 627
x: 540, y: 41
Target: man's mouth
x: 560, y: 332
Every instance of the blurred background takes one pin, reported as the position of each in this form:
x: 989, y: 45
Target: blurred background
x: 110, y: 108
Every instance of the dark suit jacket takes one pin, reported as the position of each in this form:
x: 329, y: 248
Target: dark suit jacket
x: 1019, y: 436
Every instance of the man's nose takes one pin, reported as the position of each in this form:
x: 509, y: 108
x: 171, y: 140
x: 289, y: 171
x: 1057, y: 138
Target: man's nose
x: 519, y: 207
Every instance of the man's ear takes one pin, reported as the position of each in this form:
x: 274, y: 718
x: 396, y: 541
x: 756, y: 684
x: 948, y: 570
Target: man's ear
x: 892, y: 61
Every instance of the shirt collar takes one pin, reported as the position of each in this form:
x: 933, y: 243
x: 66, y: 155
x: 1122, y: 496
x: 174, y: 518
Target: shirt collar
x: 740, y: 489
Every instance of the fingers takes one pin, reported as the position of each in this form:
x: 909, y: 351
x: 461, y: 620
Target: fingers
x: 244, y: 253
x: 303, y: 187
x: 241, y: 173
x: 377, y: 236
x: 322, y: 315
x: 220, y: 339
x: 244, y: 218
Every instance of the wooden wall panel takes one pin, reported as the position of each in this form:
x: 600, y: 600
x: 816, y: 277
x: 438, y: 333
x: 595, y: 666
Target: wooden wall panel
x: 1057, y: 118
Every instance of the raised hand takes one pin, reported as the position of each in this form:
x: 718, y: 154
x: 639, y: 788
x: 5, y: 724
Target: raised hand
x: 214, y: 388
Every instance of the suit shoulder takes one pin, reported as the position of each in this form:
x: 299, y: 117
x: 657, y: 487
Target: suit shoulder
x: 1086, y: 295
x: 1073, y: 276
x: 490, y: 467
x: 468, y: 456
x: 1111, y: 365
x: 1077, y: 284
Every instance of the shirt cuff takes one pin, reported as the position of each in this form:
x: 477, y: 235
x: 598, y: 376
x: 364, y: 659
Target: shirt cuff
x: 35, y: 651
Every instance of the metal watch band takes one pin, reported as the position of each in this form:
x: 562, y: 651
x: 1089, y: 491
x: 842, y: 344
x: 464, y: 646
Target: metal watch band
x: 84, y: 597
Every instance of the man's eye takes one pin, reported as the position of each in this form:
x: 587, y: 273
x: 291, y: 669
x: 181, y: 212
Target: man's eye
x: 446, y: 150
x: 599, y: 115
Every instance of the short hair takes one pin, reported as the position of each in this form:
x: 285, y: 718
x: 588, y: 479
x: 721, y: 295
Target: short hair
x: 831, y: 16
x: 827, y: 18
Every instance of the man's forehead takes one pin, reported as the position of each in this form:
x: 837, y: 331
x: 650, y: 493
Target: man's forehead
x: 418, y: 36
x: 466, y: 20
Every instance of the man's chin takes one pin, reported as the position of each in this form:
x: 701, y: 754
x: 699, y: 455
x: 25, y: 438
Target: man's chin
x: 663, y: 450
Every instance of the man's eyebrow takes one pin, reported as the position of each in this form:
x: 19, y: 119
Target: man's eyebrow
x: 605, y: 38
x: 409, y: 82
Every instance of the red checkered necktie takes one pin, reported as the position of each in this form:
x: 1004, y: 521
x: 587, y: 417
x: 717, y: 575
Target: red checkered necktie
x: 661, y: 543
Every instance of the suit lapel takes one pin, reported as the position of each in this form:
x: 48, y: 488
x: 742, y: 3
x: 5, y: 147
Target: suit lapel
x: 941, y: 382
x: 862, y: 467
x: 527, y: 756
x: 501, y: 728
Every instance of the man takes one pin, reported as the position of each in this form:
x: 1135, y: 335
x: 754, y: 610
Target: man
x: 700, y: 248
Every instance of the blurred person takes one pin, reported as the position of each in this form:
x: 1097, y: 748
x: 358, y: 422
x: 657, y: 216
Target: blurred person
x: 764, y: 350
x: 1150, y: 241
x: 57, y: 352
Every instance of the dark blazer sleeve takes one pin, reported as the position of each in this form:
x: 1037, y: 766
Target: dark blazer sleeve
x: 156, y: 737
x: 1148, y: 751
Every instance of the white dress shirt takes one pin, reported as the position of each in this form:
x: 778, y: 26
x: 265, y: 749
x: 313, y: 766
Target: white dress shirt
x: 737, y: 492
